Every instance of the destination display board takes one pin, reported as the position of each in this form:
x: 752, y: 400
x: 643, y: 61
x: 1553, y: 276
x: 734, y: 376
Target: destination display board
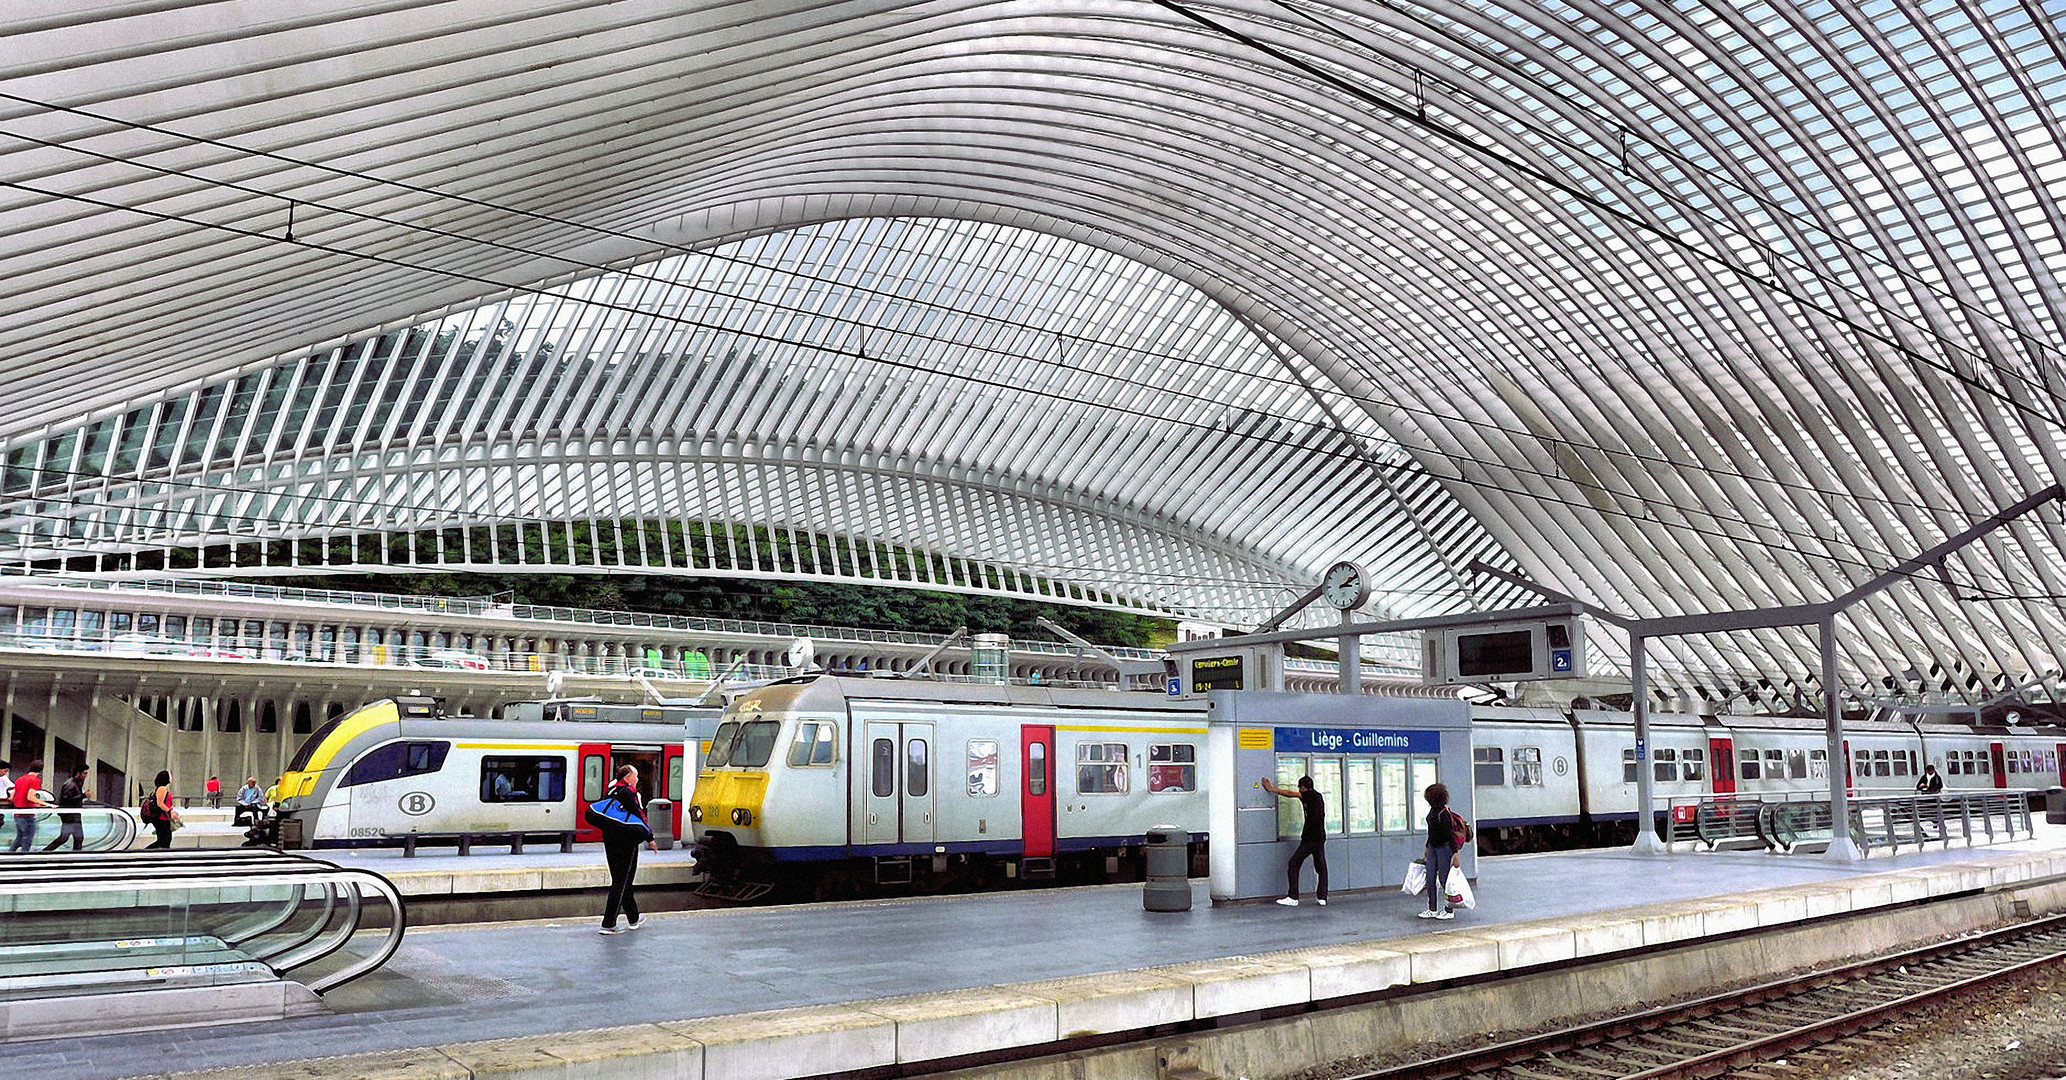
x: 1216, y: 673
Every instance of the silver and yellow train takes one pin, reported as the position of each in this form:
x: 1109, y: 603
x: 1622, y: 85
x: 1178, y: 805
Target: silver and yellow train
x: 391, y: 768
x: 878, y: 781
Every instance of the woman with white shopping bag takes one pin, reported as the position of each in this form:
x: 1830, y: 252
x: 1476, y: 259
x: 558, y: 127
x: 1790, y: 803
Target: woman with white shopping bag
x: 1448, y: 832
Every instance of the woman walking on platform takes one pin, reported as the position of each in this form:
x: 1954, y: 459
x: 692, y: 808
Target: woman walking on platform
x: 157, y: 810
x: 1446, y: 834
x: 621, y: 815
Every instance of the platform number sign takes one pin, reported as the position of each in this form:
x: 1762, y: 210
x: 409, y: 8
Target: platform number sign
x: 417, y: 803
x: 1560, y: 661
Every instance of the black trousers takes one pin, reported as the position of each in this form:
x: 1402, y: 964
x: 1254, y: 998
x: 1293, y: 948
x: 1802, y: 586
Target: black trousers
x: 164, y: 840
x: 623, y: 860
x: 1318, y: 850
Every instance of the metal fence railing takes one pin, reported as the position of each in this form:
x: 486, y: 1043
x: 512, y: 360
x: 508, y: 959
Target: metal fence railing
x: 1890, y: 823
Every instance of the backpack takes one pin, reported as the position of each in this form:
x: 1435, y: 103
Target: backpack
x: 150, y: 811
x: 1459, y: 829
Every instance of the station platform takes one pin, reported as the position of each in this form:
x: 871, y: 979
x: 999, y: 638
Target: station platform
x: 771, y: 992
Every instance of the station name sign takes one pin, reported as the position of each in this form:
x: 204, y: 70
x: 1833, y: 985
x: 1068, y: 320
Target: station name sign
x: 1305, y: 740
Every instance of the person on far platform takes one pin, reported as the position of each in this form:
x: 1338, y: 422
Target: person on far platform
x: 213, y: 788
x: 1931, y: 783
x: 28, y: 795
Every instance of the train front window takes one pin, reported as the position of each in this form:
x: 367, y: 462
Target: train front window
x: 756, y: 744
x: 721, y: 745
x: 523, y: 779
x: 395, y: 761
x: 812, y: 745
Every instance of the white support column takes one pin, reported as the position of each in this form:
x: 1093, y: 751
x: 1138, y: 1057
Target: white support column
x: 1351, y: 658
x: 1841, y: 847
x: 1647, y: 841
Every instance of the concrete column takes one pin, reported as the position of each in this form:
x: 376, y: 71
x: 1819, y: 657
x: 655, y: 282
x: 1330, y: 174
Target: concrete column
x: 1841, y: 847
x: 7, y: 722
x: 1351, y: 658
x: 49, y: 752
x: 1647, y: 841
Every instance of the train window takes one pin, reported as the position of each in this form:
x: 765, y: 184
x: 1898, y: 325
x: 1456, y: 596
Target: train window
x: 1692, y: 766
x: 1488, y: 766
x: 1900, y: 763
x: 1360, y: 799
x: 1172, y: 767
x: 812, y: 745
x: 523, y: 779
x: 721, y: 745
x: 2051, y: 762
x: 1882, y: 763
x: 882, y: 776
x: 1036, y: 768
x: 1291, y: 818
x: 1818, y: 764
x: 982, y: 768
x: 756, y: 743
x: 592, y: 768
x: 674, y: 778
x: 1796, y: 764
x: 918, y: 769
x: 1664, y: 765
x: 1527, y: 766
x: 1775, y: 765
x: 1628, y: 766
x: 1393, y: 794
x: 396, y: 760
x: 1752, y: 768
x: 1101, y: 769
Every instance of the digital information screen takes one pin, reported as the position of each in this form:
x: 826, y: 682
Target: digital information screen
x: 1481, y: 656
x: 1216, y: 673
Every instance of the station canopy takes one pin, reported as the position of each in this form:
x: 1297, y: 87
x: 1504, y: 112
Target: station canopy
x: 1673, y: 307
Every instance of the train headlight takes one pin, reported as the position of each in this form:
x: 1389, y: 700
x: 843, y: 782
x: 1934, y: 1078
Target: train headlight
x: 742, y: 816
x: 695, y: 813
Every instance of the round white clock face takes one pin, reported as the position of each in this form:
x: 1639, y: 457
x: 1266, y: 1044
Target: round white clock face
x: 1345, y: 585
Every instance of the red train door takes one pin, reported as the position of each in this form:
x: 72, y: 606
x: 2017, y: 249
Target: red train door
x: 2061, y: 762
x: 1721, y: 757
x: 2000, y: 763
x: 1849, y: 780
x: 675, y: 781
x: 591, y: 779
x: 1037, y: 792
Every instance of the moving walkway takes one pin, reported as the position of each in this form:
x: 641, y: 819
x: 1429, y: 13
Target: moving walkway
x: 100, y: 828
x: 148, y: 939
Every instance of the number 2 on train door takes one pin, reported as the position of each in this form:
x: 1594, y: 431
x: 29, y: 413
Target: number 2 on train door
x: 1036, y: 791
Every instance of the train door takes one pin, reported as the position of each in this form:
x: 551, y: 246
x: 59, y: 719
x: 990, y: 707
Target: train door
x: 593, y: 766
x: 880, y: 816
x: 1849, y: 781
x: 918, y: 784
x: 674, y: 781
x: 2000, y: 762
x: 2061, y: 762
x: 1037, y: 792
x: 1721, y: 761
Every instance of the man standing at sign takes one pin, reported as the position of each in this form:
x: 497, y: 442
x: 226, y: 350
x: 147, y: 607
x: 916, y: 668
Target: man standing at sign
x: 1312, y: 840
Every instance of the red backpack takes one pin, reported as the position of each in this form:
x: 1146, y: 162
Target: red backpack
x: 1459, y: 829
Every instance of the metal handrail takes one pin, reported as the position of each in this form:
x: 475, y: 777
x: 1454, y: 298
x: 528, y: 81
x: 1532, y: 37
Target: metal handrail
x: 121, y: 829
x: 1892, y: 822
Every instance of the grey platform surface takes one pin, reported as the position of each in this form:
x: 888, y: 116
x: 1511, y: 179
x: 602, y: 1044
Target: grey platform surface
x: 452, y: 984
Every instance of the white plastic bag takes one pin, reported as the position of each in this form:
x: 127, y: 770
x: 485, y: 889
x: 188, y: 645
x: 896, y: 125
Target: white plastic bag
x: 1416, y: 879
x: 1460, y: 894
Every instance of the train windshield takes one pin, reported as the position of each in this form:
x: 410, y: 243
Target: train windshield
x: 756, y: 744
x: 721, y: 745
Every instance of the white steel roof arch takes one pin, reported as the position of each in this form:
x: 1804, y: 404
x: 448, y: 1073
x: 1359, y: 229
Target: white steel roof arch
x: 1730, y: 303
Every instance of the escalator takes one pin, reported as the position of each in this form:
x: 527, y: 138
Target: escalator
x: 99, y: 828
x: 147, y: 939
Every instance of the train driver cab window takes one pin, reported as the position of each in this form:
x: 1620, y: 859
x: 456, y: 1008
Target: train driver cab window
x: 1665, y: 765
x: 721, y: 742
x: 1753, y: 768
x: 813, y: 744
x: 395, y: 761
x: 982, y: 768
x: 756, y: 744
x: 882, y: 768
x: 1101, y: 769
x: 1488, y: 766
x: 1692, y: 765
x: 1527, y: 766
x: 523, y: 779
x: 1172, y: 767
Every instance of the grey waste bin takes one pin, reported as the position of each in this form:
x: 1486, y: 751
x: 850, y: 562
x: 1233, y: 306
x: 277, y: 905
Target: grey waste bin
x: 1169, y: 870
x: 2055, y: 806
x: 660, y: 815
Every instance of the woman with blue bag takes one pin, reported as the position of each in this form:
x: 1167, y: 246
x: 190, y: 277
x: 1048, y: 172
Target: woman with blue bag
x: 621, y: 815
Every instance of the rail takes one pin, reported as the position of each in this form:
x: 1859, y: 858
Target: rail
x: 1892, y: 822
x: 67, y: 829
x: 482, y: 607
x: 150, y: 920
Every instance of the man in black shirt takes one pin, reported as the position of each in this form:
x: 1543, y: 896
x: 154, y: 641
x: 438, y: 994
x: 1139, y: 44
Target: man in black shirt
x: 1312, y: 840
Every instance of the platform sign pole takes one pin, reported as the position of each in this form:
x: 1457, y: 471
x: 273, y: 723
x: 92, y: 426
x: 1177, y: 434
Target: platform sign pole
x: 1647, y: 841
x: 1841, y: 847
x: 1351, y: 658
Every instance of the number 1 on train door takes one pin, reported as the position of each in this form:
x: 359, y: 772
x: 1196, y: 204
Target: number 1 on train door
x: 593, y: 766
x: 1037, y: 791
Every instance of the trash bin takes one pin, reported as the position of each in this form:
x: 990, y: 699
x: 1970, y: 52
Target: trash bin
x: 2055, y: 806
x: 660, y: 815
x: 1169, y: 870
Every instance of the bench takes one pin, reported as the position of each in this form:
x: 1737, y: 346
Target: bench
x: 466, y: 840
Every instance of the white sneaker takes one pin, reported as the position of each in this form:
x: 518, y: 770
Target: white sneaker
x: 1446, y: 915
x: 636, y: 923
x: 1287, y: 901
x: 1322, y: 903
x: 1428, y: 914
x: 611, y: 930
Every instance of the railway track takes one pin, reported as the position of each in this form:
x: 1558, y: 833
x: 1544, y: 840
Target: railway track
x: 1722, y: 1032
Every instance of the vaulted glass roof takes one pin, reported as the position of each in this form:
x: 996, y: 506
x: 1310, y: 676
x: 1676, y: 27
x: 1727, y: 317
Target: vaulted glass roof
x: 1677, y: 307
